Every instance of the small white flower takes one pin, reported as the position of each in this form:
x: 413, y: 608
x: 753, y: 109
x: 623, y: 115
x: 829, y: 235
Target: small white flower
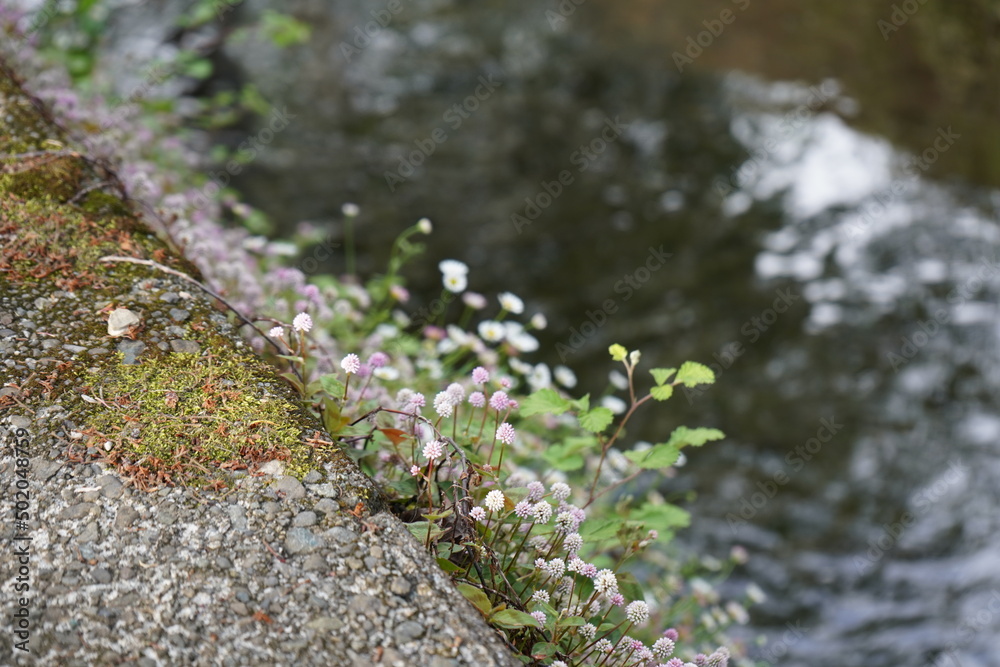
x: 474, y: 300
x: 523, y: 341
x: 478, y: 513
x: 276, y: 332
x: 455, y: 282
x: 605, y: 582
x: 618, y: 380
x: 634, y: 356
x: 615, y: 404
x: 522, y: 367
x: 511, y: 303
x: 539, y: 321
x: 494, y: 500
x: 302, y: 322
x: 540, y: 596
x: 637, y: 612
x: 564, y: 376
x: 491, y: 331
x: 451, y: 267
x: 386, y: 373
x: 540, y: 377
x: 351, y: 364
x: 350, y: 210
x: 425, y: 226
x: 560, y: 491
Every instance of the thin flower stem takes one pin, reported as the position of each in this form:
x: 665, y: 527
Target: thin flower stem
x: 609, y: 443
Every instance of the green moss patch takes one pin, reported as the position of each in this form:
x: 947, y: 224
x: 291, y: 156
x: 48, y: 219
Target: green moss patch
x: 185, y: 418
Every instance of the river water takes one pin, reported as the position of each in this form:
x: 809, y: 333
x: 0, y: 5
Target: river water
x: 805, y: 198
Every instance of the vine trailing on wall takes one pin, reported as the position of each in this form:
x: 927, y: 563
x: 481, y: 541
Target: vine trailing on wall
x: 525, y: 493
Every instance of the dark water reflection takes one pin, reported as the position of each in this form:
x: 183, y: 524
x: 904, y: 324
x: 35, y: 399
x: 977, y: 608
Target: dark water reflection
x: 768, y: 199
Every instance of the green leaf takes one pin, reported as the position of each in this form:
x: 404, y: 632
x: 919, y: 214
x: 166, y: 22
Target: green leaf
x: 661, y: 517
x: 332, y: 385
x: 692, y: 373
x: 696, y: 437
x: 599, y: 529
x: 618, y: 353
x: 511, y: 619
x: 419, y: 530
x: 477, y: 597
x: 657, y: 456
x: 662, y: 392
x: 661, y: 375
x: 571, y: 621
x: 448, y: 566
x: 566, y: 455
x: 582, y: 404
x: 544, y: 401
x: 543, y: 650
x: 597, y: 419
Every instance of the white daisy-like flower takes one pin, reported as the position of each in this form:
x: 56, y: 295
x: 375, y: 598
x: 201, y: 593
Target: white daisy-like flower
x: 494, y: 500
x: 540, y: 377
x: 452, y: 267
x: 302, y: 322
x: 386, y: 373
x: 618, y: 380
x: 523, y: 341
x: 455, y: 282
x: 511, y: 303
x: 491, y: 331
x: 564, y: 376
x: 474, y: 300
x: 522, y: 367
x: 615, y: 404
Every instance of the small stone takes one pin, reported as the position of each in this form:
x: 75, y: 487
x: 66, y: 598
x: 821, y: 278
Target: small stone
x: 166, y: 516
x: 342, y: 535
x: 314, y: 563
x: 312, y: 477
x: 239, y: 608
x: 97, y: 351
x: 354, y: 563
x: 10, y: 391
x: 170, y: 297
x: 400, y: 586
x: 120, y: 320
x: 409, y: 631
x: 326, y: 506
x: 325, y: 624
x: 179, y: 314
x: 89, y: 533
x: 290, y: 488
x: 101, y: 575
x: 131, y: 349
x: 111, y: 486
x: 223, y: 563
x: 237, y: 518
x: 74, y: 349
x: 185, y: 346
x: 126, y: 517
x: 325, y: 490
x: 304, y: 519
x: 274, y: 468
x: 7, y: 333
x: 77, y: 511
x: 301, y: 540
